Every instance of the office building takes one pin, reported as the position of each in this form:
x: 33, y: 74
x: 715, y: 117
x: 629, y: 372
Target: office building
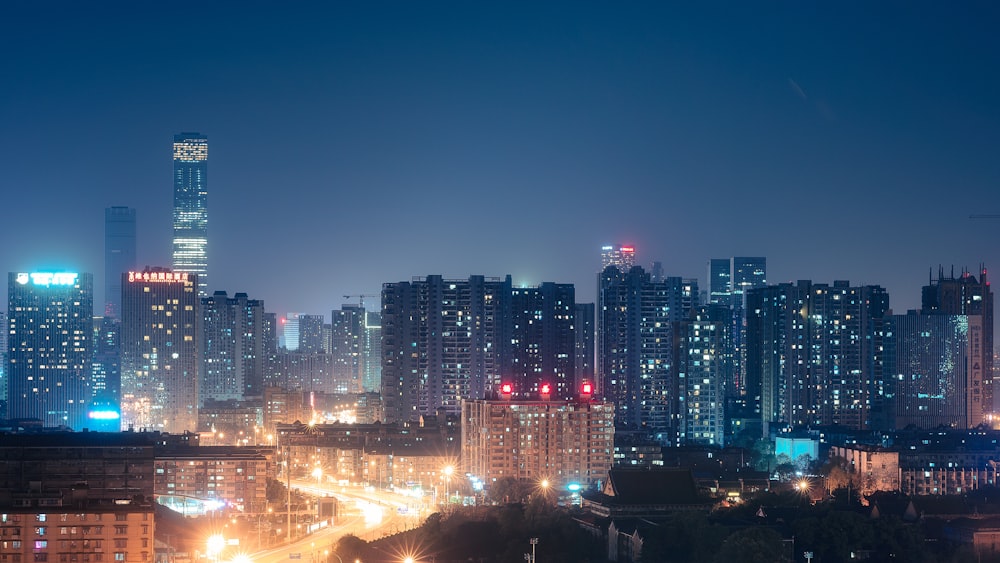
x: 74, y: 496
x: 119, y: 254
x: 563, y: 441
x: 106, y: 376
x: 290, y: 332
x: 50, y: 346
x: 815, y: 353
x: 967, y: 295
x: 190, y: 246
x: 347, y: 328
x: 622, y: 256
x: 542, y: 349
x: 160, y: 350
x: 233, y: 359
x: 931, y: 382
x: 720, y: 289
x: 441, y: 343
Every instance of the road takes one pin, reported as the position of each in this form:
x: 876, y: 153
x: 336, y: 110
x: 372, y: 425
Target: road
x: 366, y: 513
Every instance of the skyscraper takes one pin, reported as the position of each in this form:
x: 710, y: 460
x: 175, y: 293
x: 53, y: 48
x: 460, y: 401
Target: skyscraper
x: 232, y: 347
x: 966, y: 295
x: 191, y: 207
x: 705, y: 364
x: 931, y: 381
x: 584, y: 330
x: 815, y: 353
x: 441, y: 343
x: 311, y: 339
x: 106, y: 378
x: 618, y: 255
x: 50, y: 341
x: 159, y: 351
x: 542, y: 343
x: 347, y: 347
x: 372, y: 352
x: 119, y: 255
x: 638, y: 348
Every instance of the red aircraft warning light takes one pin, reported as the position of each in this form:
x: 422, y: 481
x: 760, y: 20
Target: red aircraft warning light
x: 506, y: 390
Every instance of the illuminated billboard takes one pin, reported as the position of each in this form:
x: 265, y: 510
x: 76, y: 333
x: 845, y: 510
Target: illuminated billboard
x: 46, y: 279
x: 165, y: 277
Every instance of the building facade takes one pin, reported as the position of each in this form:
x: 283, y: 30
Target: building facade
x: 562, y: 441
x: 119, y: 254
x: 347, y: 345
x: 232, y: 347
x: 542, y: 341
x: 638, y: 348
x: 971, y: 296
x: 84, y: 497
x: 190, y: 242
x: 441, y: 343
x: 705, y: 369
x: 159, y: 341
x: 50, y: 347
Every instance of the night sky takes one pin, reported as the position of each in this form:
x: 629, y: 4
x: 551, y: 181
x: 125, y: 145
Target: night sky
x: 356, y: 143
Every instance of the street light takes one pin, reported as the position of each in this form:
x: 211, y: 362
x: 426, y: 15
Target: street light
x: 448, y: 470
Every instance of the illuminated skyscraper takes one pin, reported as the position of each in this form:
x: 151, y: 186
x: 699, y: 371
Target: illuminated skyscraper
x: 50, y: 341
x: 119, y: 254
x: 816, y: 354
x: 372, y: 352
x: 441, y: 343
x: 618, y: 255
x: 966, y: 295
x: 232, y: 347
x: 191, y: 207
x: 347, y: 347
x: 637, y: 347
x: 542, y: 348
x: 159, y: 351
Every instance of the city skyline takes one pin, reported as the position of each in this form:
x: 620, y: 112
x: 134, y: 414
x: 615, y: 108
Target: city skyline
x: 356, y: 146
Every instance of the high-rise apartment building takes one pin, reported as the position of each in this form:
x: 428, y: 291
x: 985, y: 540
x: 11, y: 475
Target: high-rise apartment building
x: 584, y: 331
x: 232, y: 347
x: 705, y: 365
x: 542, y: 348
x: 119, y: 254
x: 637, y: 347
x: 3, y: 364
x: 190, y: 247
x: 815, y: 353
x: 159, y: 340
x: 441, y: 343
x: 311, y: 340
x: 565, y: 442
x: 347, y: 327
x: 50, y: 346
x: 967, y: 295
x: 372, y: 353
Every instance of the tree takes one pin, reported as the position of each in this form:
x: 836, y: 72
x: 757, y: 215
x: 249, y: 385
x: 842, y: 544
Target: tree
x: 756, y: 544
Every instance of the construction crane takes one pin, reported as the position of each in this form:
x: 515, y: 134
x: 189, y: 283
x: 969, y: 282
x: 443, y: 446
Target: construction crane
x: 361, y: 298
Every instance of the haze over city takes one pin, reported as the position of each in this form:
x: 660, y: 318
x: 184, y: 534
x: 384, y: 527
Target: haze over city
x: 356, y: 144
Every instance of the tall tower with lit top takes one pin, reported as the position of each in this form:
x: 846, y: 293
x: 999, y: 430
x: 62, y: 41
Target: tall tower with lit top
x: 191, y: 207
